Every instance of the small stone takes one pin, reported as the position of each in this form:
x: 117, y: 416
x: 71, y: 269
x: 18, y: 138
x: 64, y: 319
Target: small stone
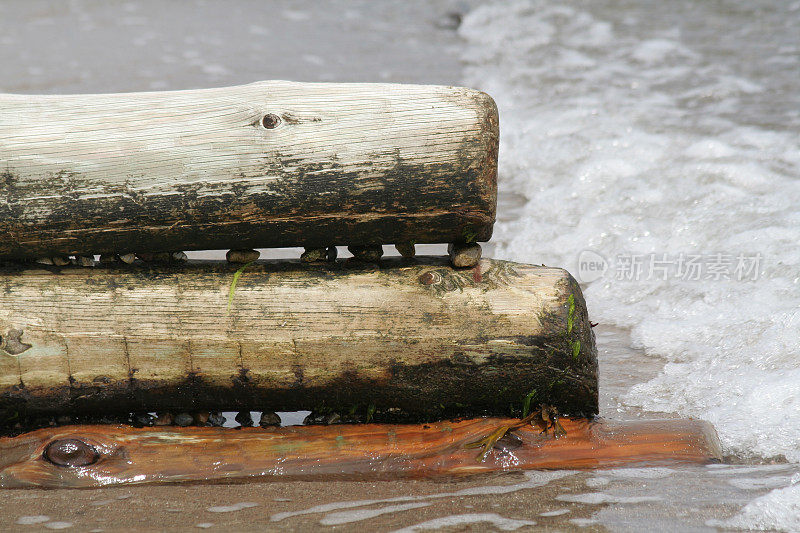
x: 108, y: 258
x: 85, y: 260
x: 164, y: 419
x: 370, y: 253
x: 45, y: 260
x: 144, y: 420
x: 201, y: 418
x: 332, y: 418
x: 179, y: 257
x: 127, y: 258
x: 464, y: 255
x: 314, y: 255
x: 268, y: 418
x: 449, y: 21
x: 242, y: 256
x: 60, y: 261
x: 183, y: 419
x: 406, y: 249
x: 216, y: 419
x: 331, y: 253
x: 244, y: 418
x: 314, y: 419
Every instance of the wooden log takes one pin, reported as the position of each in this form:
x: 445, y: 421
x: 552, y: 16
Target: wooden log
x: 269, y: 164
x: 113, y: 455
x: 412, y: 341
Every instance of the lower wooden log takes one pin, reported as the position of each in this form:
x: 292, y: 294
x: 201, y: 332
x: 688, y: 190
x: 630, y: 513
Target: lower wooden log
x: 413, y: 340
x: 94, y: 456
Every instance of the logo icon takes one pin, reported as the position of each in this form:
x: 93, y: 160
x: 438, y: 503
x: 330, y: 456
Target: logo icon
x: 591, y: 266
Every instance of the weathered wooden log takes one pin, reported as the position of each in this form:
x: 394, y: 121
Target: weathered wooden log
x: 269, y: 164
x: 96, y: 456
x: 416, y: 340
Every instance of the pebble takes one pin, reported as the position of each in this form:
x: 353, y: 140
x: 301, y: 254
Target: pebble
x: 85, y: 260
x: 332, y: 418
x: 322, y: 419
x: 313, y: 419
x: 331, y: 254
x: 45, y: 260
x: 164, y: 419
x: 314, y: 255
x: 406, y: 249
x: 216, y: 419
x: 108, y: 258
x: 201, y: 418
x: 464, y: 255
x: 179, y: 257
x: 242, y: 256
x: 183, y: 419
x: 127, y: 258
x: 268, y: 418
x: 60, y: 261
x: 449, y: 21
x: 204, y: 525
x: 145, y: 419
x: 244, y: 418
x: 370, y: 253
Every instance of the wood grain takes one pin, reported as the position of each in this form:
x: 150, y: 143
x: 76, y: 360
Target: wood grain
x: 128, y: 455
x: 418, y: 336
x: 269, y: 164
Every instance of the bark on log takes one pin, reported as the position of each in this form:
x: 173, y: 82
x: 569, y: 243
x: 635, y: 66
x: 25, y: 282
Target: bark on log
x: 123, y: 455
x: 269, y: 164
x: 414, y: 335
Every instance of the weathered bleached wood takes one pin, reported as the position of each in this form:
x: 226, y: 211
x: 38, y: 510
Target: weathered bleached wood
x: 269, y: 164
x: 417, y: 335
x: 116, y: 455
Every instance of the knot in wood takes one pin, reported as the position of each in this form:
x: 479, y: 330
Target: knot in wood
x: 271, y: 121
x: 71, y: 453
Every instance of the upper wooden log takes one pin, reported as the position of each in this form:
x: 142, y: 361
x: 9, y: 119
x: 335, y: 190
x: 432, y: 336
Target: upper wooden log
x: 269, y: 164
x: 416, y: 338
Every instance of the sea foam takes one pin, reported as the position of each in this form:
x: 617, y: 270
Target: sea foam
x: 621, y: 138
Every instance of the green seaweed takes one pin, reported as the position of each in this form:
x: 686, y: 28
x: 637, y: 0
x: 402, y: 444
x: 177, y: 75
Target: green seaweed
x: 571, y: 314
x: 469, y: 235
x: 236, y: 277
x: 526, y: 403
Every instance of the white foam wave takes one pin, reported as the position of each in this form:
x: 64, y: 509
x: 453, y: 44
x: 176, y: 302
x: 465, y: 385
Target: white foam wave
x: 779, y: 510
x: 624, y: 139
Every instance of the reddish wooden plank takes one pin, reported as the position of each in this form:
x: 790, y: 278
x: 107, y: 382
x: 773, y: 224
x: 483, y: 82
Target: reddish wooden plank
x: 114, y: 455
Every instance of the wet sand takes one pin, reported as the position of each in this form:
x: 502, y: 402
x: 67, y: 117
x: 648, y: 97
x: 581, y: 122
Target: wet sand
x: 619, y: 500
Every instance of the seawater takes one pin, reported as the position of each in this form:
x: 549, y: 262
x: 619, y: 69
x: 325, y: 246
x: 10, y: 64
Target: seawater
x: 653, y: 149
